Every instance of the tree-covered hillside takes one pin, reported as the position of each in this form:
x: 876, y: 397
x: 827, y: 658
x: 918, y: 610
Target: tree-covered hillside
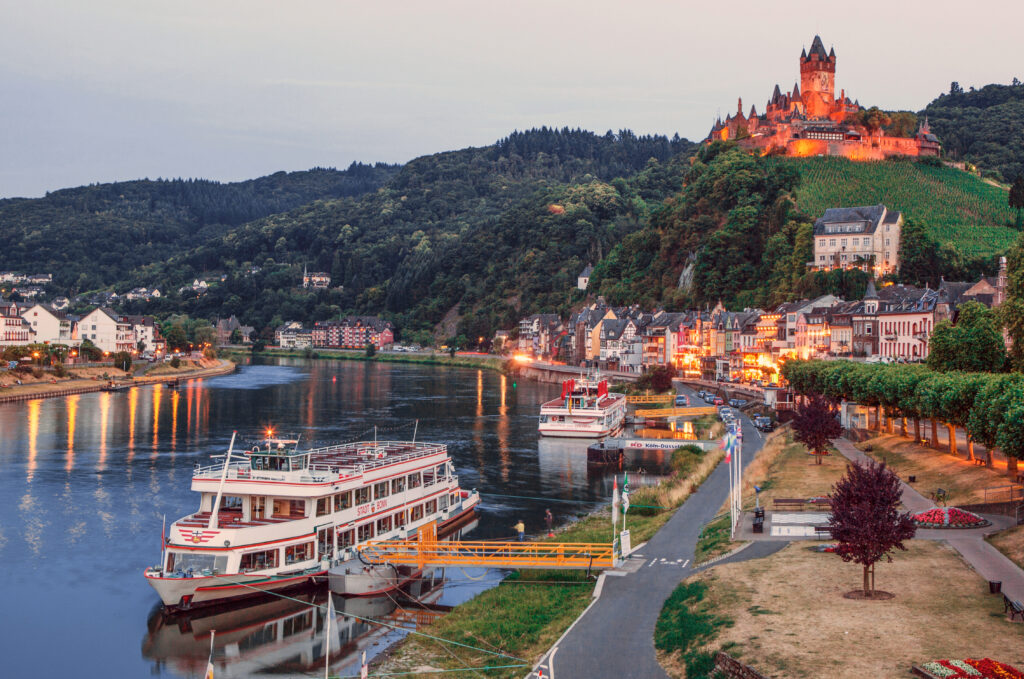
x: 984, y: 127
x: 97, y: 235
x: 956, y: 206
x: 470, y: 238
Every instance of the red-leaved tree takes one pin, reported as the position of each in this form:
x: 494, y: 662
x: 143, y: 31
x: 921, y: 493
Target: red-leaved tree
x: 815, y: 425
x: 865, y: 520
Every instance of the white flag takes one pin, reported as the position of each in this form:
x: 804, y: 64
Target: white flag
x: 364, y: 670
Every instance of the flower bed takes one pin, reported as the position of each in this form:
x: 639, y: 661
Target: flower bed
x: 985, y: 668
x: 949, y: 517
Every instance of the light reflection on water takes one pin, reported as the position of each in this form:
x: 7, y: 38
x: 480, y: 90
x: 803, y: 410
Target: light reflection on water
x: 91, y: 477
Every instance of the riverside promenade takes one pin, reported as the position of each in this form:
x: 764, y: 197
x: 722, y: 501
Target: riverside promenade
x: 614, y: 637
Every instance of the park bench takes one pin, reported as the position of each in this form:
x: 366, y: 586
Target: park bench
x: 823, y: 530
x: 1014, y: 608
x: 789, y: 502
x: 940, y: 495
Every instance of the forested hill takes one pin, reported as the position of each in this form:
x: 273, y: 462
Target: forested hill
x: 470, y: 238
x: 93, y: 236
x: 984, y: 127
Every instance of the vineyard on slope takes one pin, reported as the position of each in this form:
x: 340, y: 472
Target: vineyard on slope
x: 957, y: 206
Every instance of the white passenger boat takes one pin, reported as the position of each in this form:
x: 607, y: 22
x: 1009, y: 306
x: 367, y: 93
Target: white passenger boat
x: 586, y: 409
x: 277, y: 517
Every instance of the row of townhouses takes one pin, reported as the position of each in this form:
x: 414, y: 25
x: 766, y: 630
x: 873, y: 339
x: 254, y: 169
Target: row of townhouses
x: 23, y: 323
x: 893, y: 322
x: 354, y: 332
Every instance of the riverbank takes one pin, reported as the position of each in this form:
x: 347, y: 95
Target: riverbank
x: 94, y: 379
x: 496, y: 363
x: 528, y: 611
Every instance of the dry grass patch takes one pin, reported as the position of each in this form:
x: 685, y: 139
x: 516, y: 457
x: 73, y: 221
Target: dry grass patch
x: 964, y: 481
x: 789, y: 618
x: 784, y: 469
x: 1011, y: 543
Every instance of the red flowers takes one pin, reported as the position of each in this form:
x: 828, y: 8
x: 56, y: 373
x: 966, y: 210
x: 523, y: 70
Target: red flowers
x: 986, y: 668
x: 949, y: 517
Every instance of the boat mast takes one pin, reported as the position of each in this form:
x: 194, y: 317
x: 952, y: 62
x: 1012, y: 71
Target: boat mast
x: 220, y: 489
x: 415, y: 428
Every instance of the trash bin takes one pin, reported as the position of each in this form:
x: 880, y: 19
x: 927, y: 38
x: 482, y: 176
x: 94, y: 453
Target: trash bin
x: 759, y: 513
x: 911, y: 479
x: 995, y: 586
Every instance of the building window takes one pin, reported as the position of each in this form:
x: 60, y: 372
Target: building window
x: 821, y: 258
x: 821, y: 243
x: 887, y: 242
x: 831, y: 241
x: 867, y: 242
x: 856, y: 242
x: 842, y: 242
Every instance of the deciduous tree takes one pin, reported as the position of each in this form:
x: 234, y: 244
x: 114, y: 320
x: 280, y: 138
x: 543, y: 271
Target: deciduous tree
x: 815, y: 425
x: 865, y: 520
x: 974, y: 344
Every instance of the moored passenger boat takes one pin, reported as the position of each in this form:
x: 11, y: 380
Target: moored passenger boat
x: 586, y: 409
x: 278, y: 517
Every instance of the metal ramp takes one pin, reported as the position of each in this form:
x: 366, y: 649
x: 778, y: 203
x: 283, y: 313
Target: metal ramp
x: 426, y: 550
x: 676, y: 412
x: 654, y: 398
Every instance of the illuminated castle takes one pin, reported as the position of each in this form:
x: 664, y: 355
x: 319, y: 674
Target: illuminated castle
x: 810, y: 120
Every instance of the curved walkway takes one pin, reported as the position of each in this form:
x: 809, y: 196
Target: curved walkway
x: 988, y: 561
x: 614, y: 637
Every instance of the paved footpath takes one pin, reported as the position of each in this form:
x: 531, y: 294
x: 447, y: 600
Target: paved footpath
x: 614, y: 638
x: 988, y: 561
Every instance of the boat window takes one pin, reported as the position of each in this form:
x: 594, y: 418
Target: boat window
x: 429, y: 478
x: 398, y: 485
x: 299, y: 462
x: 417, y: 513
x: 399, y: 519
x: 543, y: 419
x: 256, y: 505
x: 297, y: 553
x: 364, y: 532
x: 383, y: 524
x: 344, y: 538
x: 231, y: 503
x: 414, y: 480
x: 380, y: 490
x: 431, y: 507
x: 454, y: 499
x: 443, y: 502
x: 323, y: 506
x: 257, y: 561
x: 183, y: 562
x: 362, y: 495
x: 297, y: 508
x: 343, y: 500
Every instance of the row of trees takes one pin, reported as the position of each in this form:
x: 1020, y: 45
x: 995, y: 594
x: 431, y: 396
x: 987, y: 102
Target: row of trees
x: 989, y: 407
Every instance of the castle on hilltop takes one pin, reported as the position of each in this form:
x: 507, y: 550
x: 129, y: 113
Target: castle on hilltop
x: 811, y: 120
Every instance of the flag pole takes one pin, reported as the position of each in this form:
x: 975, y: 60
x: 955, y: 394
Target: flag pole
x: 209, y: 663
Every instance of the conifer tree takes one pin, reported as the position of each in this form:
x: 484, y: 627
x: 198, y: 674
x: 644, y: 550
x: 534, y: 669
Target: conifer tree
x: 1016, y: 197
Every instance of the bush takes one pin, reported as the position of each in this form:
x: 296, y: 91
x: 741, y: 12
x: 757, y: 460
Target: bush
x: 371, y: 350
x: 644, y: 502
x: 175, y: 362
x: 209, y: 352
x: 37, y: 373
x: 59, y: 370
x: 123, y: 361
x: 686, y: 458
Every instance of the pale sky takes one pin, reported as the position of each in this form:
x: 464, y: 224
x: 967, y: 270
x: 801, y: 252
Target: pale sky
x: 102, y: 90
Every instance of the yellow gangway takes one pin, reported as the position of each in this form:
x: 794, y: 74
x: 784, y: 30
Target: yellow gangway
x: 427, y: 550
x: 676, y: 412
x: 656, y: 398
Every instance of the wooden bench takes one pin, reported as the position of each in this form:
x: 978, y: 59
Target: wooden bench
x: 789, y: 502
x: 1014, y: 608
x: 823, y: 530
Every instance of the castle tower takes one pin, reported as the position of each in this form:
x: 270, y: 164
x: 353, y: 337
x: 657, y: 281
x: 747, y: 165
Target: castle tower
x: 818, y: 80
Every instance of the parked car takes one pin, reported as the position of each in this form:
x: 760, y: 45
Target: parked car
x: 709, y: 398
x: 701, y: 393
x: 682, y: 400
x: 719, y: 401
x: 764, y: 423
x: 737, y: 402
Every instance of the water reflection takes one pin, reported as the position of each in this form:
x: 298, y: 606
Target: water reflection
x: 85, y: 502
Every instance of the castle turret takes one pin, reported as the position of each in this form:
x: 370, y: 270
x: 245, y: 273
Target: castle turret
x: 818, y: 79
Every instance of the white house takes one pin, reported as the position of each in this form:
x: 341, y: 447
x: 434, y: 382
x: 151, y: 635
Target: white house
x: 583, y: 280
x: 107, y: 329
x: 14, y: 330
x: 145, y: 330
x: 50, y: 325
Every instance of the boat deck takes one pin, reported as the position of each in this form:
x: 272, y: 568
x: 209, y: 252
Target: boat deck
x: 232, y: 519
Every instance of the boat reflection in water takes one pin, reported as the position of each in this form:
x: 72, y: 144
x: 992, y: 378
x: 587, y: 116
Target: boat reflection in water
x: 285, y: 635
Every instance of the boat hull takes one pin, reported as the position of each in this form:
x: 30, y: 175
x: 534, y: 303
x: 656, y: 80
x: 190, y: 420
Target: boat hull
x: 188, y: 593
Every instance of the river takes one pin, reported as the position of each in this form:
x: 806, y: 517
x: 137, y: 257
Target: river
x: 86, y: 481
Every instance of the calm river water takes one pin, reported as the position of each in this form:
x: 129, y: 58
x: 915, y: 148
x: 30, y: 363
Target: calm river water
x: 85, y: 480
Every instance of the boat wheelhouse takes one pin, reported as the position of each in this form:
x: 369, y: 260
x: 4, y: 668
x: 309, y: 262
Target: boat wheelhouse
x: 277, y: 516
x: 586, y: 409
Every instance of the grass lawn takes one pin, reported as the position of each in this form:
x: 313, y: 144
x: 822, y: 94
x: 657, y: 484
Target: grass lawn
x: 523, y: 620
x: 785, y: 615
x: 1011, y: 543
x: 964, y: 481
x: 784, y: 469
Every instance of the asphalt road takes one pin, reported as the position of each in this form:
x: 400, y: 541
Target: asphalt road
x: 615, y: 637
